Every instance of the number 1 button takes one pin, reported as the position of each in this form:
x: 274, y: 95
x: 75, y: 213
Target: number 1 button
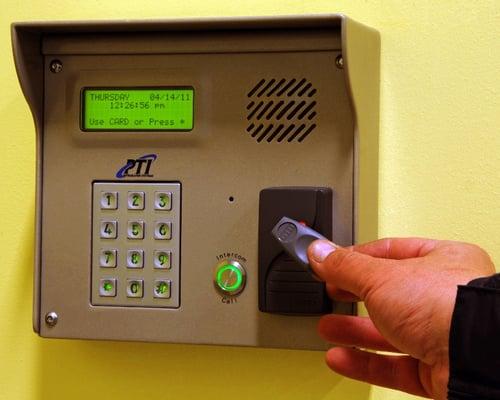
x: 109, y: 200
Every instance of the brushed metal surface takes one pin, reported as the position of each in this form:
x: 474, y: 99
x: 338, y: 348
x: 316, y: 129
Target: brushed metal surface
x: 214, y: 161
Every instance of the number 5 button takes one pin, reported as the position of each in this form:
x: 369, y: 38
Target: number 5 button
x: 163, y: 230
x: 163, y: 201
x: 135, y: 230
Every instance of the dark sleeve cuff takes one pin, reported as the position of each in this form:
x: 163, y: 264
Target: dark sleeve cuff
x: 475, y: 341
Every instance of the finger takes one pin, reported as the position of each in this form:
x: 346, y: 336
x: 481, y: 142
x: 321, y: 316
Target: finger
x: 348, y: 270
x: 352, y: 331
x: 395, y: 372
x: 340, y: 295
x: 397, y: 248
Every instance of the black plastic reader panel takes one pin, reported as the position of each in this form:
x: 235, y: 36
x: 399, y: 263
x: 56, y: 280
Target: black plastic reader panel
x: 285, y: 286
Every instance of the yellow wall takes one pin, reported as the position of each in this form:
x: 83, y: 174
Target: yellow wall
x: 439, y: 177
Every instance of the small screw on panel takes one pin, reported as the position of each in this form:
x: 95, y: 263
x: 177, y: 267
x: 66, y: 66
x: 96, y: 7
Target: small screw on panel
x: 339, y: 62
x: 51, y: 319
x: 56, y: 66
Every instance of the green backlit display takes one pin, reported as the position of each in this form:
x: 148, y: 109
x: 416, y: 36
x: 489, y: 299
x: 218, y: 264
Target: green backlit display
x: 137, y: 109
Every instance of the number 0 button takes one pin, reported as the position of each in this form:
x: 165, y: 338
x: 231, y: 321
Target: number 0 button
x: 135, y: 200
x: 163, y: 230
x: 134, y: 287
x: 108, y: 229
x: 135, y: 230
x: 163, y: 201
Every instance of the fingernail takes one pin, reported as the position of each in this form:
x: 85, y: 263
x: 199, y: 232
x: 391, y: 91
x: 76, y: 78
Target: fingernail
x: 320, y: 249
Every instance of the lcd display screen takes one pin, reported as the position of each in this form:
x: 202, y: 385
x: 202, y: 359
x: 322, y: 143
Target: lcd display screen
x: 137, y: 109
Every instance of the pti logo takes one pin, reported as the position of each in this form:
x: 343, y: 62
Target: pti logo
x: 138, y: 167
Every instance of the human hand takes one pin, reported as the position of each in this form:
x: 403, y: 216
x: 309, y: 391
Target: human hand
x: 409, y: 288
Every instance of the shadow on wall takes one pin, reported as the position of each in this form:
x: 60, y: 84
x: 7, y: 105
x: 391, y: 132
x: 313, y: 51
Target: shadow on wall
x: 81, y: 369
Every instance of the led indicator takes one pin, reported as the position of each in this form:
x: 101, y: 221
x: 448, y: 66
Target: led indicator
x: 108, y: 286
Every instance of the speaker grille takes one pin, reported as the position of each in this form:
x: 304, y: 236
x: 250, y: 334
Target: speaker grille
x: 281, y: 110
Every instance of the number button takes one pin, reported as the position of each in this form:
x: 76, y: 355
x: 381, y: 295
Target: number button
x: 135, y: 259
x: 109, y: 200
x: 108, y: 229
x: 107, y: 287
x: 135, y: 287
x: 135, y: 200
x: 107, y: 258
x: 163, y: 230
x: 163, y: 259
x: 162, y: 289
x: 163, y: 201
x: 135, y: 230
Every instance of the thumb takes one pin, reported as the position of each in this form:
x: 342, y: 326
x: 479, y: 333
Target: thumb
x: 348, y: 270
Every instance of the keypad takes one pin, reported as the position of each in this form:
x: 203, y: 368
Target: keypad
x: 136, y: 244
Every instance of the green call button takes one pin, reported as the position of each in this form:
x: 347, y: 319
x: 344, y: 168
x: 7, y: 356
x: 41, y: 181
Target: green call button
x: 230, y: 277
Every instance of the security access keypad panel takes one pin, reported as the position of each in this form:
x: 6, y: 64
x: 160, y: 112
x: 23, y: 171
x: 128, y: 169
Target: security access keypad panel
x: 168, y: 151
x: 136, y: 244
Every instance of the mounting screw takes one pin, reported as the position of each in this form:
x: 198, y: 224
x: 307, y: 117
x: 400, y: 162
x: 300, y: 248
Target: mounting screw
x: 51, y: 319
x: 56, y: 66
x: 339, y: 62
